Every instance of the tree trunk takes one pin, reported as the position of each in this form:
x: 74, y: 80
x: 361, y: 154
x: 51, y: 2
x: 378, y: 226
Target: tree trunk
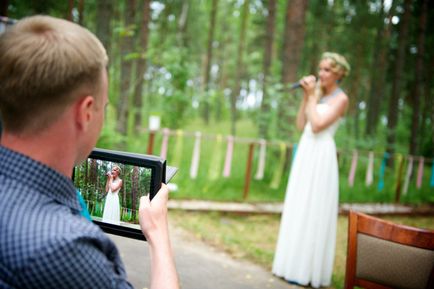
x: 92, y: 178
x: 208, y: 60
x: 80, y: 12
x: 104, y: 14
x: 356, y: 90
x: 357, y: 87
x: 241, y: 46
x: 264, y: 118
x: 4, y: 4
x: 86, y: 177
x: 419, y: 81
x: 182, y: 24
x: 141, y: 64
x: 126, y: 68
x: 223, y: 71
x: 428, y: 107
x: 392, y: 118
x: 293, y: 41
x: 70, y: 8
x: 379, y: 70
x: 134, y: 190
x: 322, y: 16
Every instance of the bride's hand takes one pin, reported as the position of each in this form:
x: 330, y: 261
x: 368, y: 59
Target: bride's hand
x: 308, y: 83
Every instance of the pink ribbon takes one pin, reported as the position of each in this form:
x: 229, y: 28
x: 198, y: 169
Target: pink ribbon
x: 353, y: 168
x: 228, y: 159
x: 420, y: 173
x: 408, y: 175
x: 196, y: 156
x: 261, y: 165
x: 164, y: 143
x: 370, y: 170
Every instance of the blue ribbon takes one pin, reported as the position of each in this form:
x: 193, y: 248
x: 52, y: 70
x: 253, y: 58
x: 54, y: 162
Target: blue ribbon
x: 432, y: 175
x: 382, y: 171
x: 294, y: 152
x: 84, y: 212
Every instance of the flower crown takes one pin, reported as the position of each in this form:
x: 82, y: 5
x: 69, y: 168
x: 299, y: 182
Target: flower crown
x: 339, y: 60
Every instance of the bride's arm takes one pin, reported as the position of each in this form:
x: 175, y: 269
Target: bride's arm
x: 116, y: 185
x: 321, y: 122
x: 108, y: 183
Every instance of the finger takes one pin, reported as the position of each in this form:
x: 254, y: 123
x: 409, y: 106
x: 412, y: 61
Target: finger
x: 162, y: 195
x: 310, y: 79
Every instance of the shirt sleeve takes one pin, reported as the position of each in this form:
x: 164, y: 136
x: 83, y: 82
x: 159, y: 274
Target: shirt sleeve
x: 79, y: 263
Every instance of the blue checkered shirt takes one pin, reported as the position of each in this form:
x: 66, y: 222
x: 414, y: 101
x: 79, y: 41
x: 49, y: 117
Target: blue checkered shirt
x: 44, y: 241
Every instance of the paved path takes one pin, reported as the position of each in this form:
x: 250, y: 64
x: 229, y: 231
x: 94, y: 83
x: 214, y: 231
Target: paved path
x: 199, y: 265
x: 203, y: 267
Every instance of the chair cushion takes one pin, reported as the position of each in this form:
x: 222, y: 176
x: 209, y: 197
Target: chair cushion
x: 393, y: 264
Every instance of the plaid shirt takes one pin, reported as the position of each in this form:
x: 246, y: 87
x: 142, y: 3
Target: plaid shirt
x: 44, y: 241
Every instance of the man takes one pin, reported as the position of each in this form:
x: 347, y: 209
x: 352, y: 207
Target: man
x: 53, y: 92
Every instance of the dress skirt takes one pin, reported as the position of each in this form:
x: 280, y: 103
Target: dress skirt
x: 112, y: 211
x: 306, y: 244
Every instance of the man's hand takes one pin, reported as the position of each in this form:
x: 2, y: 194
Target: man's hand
x: 154, y: 225
x: 153, y: 215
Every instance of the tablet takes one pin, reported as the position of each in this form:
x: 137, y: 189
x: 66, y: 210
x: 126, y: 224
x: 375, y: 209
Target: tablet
x: 112, y: 183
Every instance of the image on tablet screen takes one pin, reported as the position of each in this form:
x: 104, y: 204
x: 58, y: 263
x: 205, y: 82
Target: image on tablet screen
x: 112, y: 190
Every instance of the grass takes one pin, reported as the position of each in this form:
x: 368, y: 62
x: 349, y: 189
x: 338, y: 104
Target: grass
x: 253, y: 237
x: 232, y: 188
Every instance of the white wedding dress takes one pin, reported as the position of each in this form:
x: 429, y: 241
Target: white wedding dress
x: 306, y: 244
x: 112, y: 210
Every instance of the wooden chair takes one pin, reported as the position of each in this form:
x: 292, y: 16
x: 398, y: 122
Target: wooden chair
x: 384, y: 255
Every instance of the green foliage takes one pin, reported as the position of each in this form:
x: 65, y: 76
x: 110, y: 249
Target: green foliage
x: 19, y: 9
x: 174, y: 89
x: 232, y: 188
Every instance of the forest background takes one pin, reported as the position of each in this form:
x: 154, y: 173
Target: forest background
x: 223, y: 67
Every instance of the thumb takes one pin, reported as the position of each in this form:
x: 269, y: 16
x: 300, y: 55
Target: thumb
x: 144, y: 202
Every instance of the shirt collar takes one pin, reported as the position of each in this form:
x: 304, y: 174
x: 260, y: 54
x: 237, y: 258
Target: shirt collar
x: 39, y: 177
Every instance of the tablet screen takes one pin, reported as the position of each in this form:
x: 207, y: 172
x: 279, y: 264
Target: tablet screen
x: 112, y: 190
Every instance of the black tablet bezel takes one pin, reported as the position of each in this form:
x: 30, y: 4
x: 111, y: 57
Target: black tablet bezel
x: 157, y: 164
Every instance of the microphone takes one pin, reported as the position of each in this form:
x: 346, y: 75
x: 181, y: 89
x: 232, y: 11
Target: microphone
x: 294, y: 85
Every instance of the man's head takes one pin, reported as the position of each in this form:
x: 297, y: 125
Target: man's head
x: 46, y: 65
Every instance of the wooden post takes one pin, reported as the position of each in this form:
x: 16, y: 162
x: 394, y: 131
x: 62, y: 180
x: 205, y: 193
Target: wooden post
x: 151, y: 142
x: 70, y: 8
x: 248, y: 171
x: 4, y: 8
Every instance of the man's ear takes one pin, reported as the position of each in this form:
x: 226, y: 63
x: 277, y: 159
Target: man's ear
x: 84, y: 111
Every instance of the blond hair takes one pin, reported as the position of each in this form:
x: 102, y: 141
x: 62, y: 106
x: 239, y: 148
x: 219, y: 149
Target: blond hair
x: 45, y: 62
x: 339, y: 64
x: 118, y: 169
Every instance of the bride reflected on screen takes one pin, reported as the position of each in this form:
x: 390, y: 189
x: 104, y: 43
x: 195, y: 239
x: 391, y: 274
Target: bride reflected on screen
x: 113, y: 185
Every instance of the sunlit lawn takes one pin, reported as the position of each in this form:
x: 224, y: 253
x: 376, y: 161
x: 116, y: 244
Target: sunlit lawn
x: 212, y: 159
x: 253, y: 237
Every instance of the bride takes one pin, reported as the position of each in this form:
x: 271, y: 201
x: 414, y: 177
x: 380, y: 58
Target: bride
x: 113, y: 185
x: 306, y: 244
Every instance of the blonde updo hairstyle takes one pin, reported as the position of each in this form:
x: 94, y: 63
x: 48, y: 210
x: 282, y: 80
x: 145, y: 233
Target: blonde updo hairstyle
x: 118, y: 169
x: 338, y: 63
